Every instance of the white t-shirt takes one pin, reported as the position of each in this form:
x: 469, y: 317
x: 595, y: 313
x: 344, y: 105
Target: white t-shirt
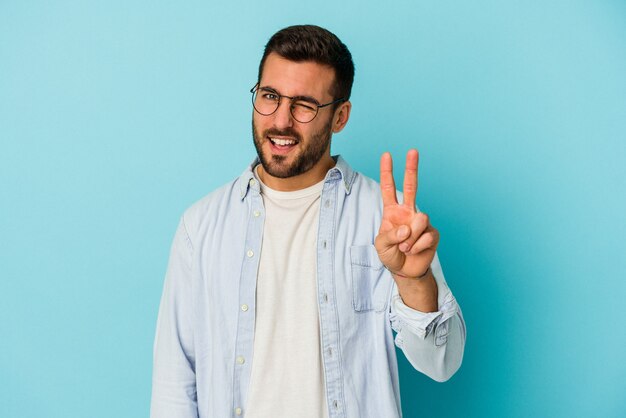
x: 287, y: 374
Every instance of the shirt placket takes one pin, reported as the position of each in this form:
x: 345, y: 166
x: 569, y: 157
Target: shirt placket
x: 247, y: 301
x: 329, y: 322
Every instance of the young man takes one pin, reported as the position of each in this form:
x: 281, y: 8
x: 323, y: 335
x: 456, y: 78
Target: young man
x: 284, y: 285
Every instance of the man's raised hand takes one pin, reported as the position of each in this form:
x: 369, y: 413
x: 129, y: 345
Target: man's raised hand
x: 406, y: 241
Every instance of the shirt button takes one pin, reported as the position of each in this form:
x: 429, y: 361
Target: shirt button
x: 238, y: 411
x: 250, y: 253
x: 257, y: 213
x: 241, y: 360
x: 244, y: 307
x: 330, y: 352
x: 326, y: 297
x: 252, y: 182
x: 327, y: 203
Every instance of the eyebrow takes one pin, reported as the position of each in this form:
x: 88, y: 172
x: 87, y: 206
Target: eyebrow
x: 305, y: 98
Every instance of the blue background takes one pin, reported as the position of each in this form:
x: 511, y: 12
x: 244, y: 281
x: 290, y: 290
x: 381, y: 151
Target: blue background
x: 115, y: 116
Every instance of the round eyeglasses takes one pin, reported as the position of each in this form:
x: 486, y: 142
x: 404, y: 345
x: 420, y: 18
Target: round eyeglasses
x: 303, y: 109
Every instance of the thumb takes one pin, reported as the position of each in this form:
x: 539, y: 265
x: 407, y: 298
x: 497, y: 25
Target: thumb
x: 392, y: 237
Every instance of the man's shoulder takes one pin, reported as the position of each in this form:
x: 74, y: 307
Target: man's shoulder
x: 364, y: 186
x: 228, y: 194
x: 367, y: 188
x: 357, y: 184
x: 365, y: 181
x: 217, y: 201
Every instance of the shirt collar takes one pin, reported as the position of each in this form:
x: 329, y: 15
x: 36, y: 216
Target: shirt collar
x: 341, y: 171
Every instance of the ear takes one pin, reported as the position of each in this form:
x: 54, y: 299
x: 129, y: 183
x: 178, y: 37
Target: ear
x: 341, y: 116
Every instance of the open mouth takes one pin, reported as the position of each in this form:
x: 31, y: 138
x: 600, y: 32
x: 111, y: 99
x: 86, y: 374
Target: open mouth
x: 282, y: 145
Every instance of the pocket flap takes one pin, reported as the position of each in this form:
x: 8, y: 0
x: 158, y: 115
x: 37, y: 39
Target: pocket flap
x: 365, y: 256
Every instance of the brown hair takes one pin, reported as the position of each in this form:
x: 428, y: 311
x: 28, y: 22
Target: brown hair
x: 313, y: 43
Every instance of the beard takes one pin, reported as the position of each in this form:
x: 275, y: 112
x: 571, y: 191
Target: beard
x: 310, y: 154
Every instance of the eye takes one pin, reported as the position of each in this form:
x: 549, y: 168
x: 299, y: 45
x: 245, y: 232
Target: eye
x: 268, y: 95
x: 305, y: 106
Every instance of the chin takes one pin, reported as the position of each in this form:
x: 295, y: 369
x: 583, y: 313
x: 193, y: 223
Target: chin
x: 276, y: 166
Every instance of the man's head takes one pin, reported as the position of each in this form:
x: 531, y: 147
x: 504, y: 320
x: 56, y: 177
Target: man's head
x: 313, y: 66
x: 311, y: 43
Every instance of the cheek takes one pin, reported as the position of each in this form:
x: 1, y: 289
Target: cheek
x: 260, y: 126
x: 305, y: 134
x: 256, y: 122
x: 315, y: 130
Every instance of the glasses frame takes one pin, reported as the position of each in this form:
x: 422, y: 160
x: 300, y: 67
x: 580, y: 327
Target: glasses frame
x: 315, y: 103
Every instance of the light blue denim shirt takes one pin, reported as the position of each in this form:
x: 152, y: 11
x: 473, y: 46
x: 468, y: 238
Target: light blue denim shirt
x: 206, y: 318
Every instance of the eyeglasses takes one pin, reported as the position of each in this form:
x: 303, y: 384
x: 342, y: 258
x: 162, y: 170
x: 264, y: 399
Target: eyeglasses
x: 303, y: 109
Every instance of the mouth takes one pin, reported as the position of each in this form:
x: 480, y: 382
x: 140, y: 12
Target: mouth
x: 282, y: 145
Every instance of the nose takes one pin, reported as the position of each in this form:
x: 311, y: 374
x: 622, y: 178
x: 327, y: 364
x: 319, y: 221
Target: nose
x: 282, y: 116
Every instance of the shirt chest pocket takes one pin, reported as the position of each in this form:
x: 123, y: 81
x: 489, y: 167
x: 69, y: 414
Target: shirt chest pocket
x: 370, y: 285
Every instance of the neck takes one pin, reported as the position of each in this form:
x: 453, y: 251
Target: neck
x: 301, y: 181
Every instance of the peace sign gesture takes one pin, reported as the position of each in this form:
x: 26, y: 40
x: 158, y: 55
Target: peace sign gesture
x: 406, y: 241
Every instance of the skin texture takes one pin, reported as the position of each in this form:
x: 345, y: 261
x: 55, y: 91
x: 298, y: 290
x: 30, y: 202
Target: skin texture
x: 309, y: 161
x: 406, y: 242
x: 279, y: 166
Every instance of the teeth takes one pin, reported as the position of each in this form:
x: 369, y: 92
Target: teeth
x: 283, y: 141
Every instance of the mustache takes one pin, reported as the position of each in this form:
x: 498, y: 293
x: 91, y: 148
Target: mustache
x: 283, y: 132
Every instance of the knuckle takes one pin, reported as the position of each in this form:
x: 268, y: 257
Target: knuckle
x: 429, y: 240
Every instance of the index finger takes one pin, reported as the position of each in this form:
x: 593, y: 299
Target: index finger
x: 387, y: 184
x: 410, y: 178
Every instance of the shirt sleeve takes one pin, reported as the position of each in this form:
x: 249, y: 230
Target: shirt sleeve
x: 433, y: 342
x: 173, y: 377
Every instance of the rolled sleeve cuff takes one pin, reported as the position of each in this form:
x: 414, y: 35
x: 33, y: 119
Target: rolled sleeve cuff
x: 422, y: 323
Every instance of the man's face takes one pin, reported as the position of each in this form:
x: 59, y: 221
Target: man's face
x: 285, y: 146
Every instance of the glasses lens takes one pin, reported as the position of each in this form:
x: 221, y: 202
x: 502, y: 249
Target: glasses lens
x: 265, y: 102
x: 303, y: 111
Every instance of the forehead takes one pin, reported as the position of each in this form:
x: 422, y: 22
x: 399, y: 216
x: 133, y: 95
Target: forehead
x: 292, y: 78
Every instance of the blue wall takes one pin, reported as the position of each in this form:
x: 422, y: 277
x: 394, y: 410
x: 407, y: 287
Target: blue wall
x: 115, y: 116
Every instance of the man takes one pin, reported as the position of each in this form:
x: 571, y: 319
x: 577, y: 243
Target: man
x: 284, y: 285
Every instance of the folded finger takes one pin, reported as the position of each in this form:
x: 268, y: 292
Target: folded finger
x: 427, y: 240
x: 418, y: 225
x: 391, y: 238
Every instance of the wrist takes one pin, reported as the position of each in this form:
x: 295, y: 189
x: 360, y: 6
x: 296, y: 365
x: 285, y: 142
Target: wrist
x: 419, y: 293
x: 420, y: 277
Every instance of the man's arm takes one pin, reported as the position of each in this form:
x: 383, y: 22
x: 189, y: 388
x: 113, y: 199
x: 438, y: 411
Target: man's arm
x: 429, y: 323
x: 173, y: 378
x: 432, y: 341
